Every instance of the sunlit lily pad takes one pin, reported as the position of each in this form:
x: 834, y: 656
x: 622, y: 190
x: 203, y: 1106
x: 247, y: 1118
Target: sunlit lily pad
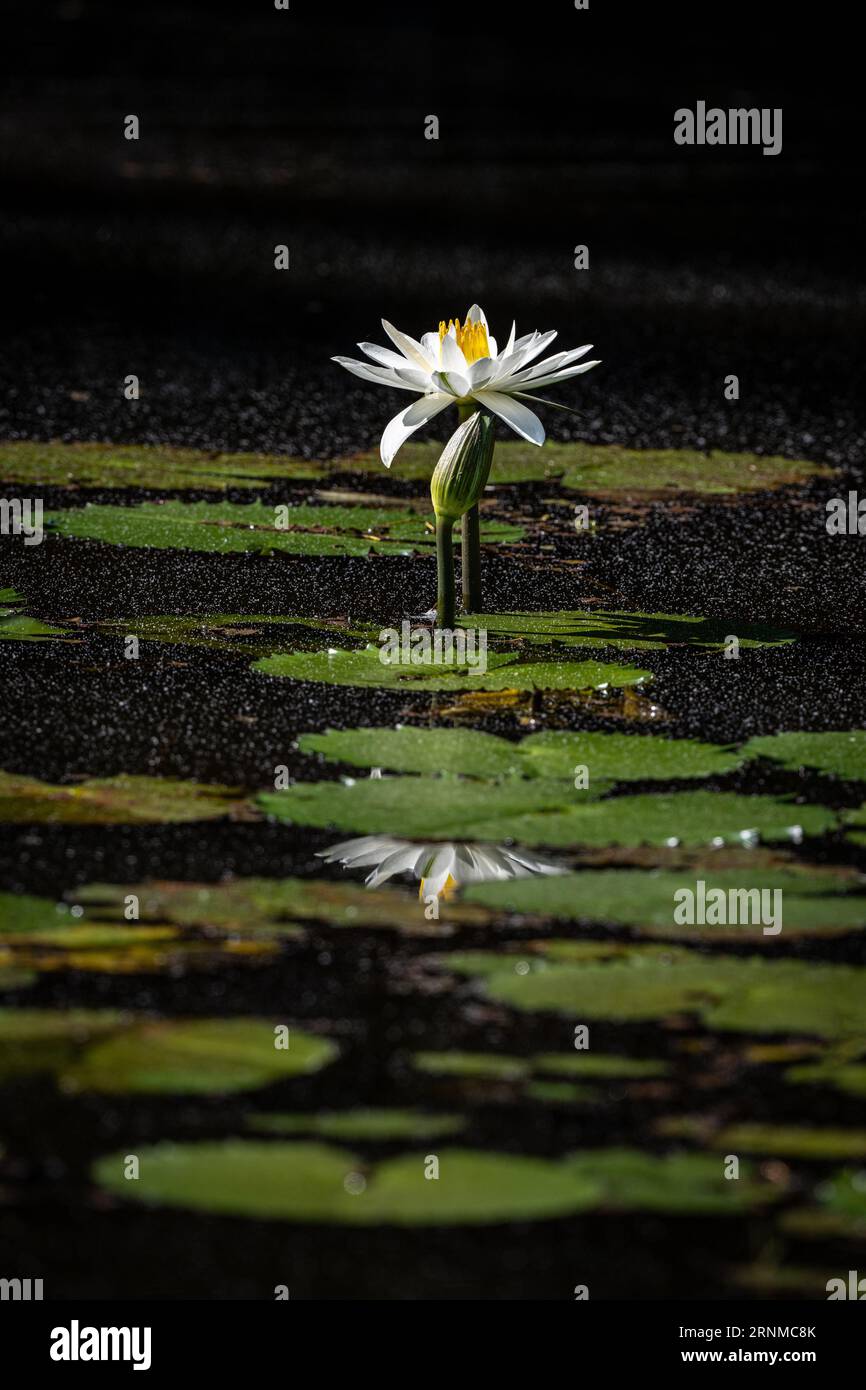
x: 307, y: 1182
x: 505, y: 671
x: 360, y: 1125
x: 145, y: 466
x: 540, y: 812
x: 841, y: 753
x: 814, y: 901
x: 601, y: 628
x: 198, y: 1056
x: 623, y: 757
x: 111, y: 801
x: 17, y: 626
x: 253, y: 526
x: 725, y: 992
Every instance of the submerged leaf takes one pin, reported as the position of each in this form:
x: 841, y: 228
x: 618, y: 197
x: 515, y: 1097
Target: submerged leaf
x: 112, y: 801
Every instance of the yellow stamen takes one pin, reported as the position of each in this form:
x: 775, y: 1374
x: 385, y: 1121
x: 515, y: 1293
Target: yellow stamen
x: 471, y: 337
x: 448, y: 889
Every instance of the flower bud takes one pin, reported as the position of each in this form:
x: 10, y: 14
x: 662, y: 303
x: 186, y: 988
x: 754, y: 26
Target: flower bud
x: 461, y: 474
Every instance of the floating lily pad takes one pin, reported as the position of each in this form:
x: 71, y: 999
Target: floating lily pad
x: 252, y: 526
x: 426, y: 807
x: 610, y: 470
x: 494, y: 1066
x: 783, y: 1141
x: 111, y: 801
x: 307, y: 1183
x: 616, y: 628
x: 841, y: 1213
x: 44, y: 1040
x: 539, y: 812
x: 814, y: 901
x: 265, y: 907
x: 841, y: 753
x: 601, y: 1066
x: 725, y: 992
x: 856, y: 819
x: 505, y: 671
x: 145, y: 466
x: 623, y: 757
x: 475, y: 1066
x: 693, y: 819
x: 200, y: 1056
x: 17, y: 626
x: 359, y: 1125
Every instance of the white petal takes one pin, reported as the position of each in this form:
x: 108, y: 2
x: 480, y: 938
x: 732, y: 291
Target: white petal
x: 386, y: 357
x: 430, y: 344
x: 477, y: 315
x: 382, y: 376
x: 409, y: 347
x: 451, y: 357
x: 452, y: 382
x: 538, y: 381
x: 398, y: 430
x: 481, y: 372
x: 396, y: 863
x: 554, y: 363
x: 514, y: 413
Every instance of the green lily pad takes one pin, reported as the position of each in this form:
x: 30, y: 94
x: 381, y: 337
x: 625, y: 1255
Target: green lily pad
x: 841, y: 753
x: 111, y: 801
x: 727, y: 993
x: 505, y: 671
x: 774, y: 1140
x: 375, y: 1126
x: 44, y: 1040
x: 616, y: 628
x: 145, y: 466
x: 252, y: 526
x: 425, y: 807
x: 475, y: 1066
x: 622, y: 757
x: 17, y: 626
x: 814, y: 901
x: 307, y: 1182
x: 561, y: 1093
x: 856, y: 819
x: 602, y: 1066
x: 691, y: 819
x: 196, y: 1057
x: 263, y: 907
x: 605, y: 470
x: 539, y: 812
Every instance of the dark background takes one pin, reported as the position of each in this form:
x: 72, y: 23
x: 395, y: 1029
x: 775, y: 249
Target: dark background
x: 306, y: 128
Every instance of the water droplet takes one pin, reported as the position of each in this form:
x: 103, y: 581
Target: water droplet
x: 795, y: 833
x: 750, y: 838
x: 355, y: 1184
x: 672, y: 842
x: 717, y: 842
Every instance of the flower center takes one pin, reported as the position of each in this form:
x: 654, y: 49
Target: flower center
x: 448, y: 889
x: 471, y: 337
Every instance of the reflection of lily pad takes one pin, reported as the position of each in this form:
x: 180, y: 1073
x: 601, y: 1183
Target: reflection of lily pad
x: 360, y: 1125
x: 553, y: 754
x: 726, y: 992
x: 253, y: 526
x: 200, y: 1056
x: 111, y: 801
x: 840, y: 753
x: 17, y: 626
x: 307, y: 1183
x: 505, y: 671
x: 813, y: 901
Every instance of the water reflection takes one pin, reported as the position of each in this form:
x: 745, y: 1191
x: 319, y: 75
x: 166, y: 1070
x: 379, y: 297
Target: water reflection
x: 438, y: 866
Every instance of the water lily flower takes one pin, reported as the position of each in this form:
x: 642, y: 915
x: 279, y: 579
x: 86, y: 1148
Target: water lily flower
x: 439, y: 866
x: 461, y: 365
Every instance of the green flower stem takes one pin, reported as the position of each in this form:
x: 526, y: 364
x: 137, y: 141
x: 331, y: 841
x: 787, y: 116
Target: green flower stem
x: 470, y: 552
x: 445, y: 597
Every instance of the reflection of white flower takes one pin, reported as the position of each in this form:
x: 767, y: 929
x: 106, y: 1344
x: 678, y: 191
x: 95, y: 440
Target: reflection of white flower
x: 462, y: 363
x: 440, y: 867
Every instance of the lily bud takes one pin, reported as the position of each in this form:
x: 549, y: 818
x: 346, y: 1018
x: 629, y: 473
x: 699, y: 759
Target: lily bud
x: 461, y: 474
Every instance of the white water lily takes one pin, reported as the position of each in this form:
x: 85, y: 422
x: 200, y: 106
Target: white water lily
x: 462, y: 364
x: 439, y: 867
